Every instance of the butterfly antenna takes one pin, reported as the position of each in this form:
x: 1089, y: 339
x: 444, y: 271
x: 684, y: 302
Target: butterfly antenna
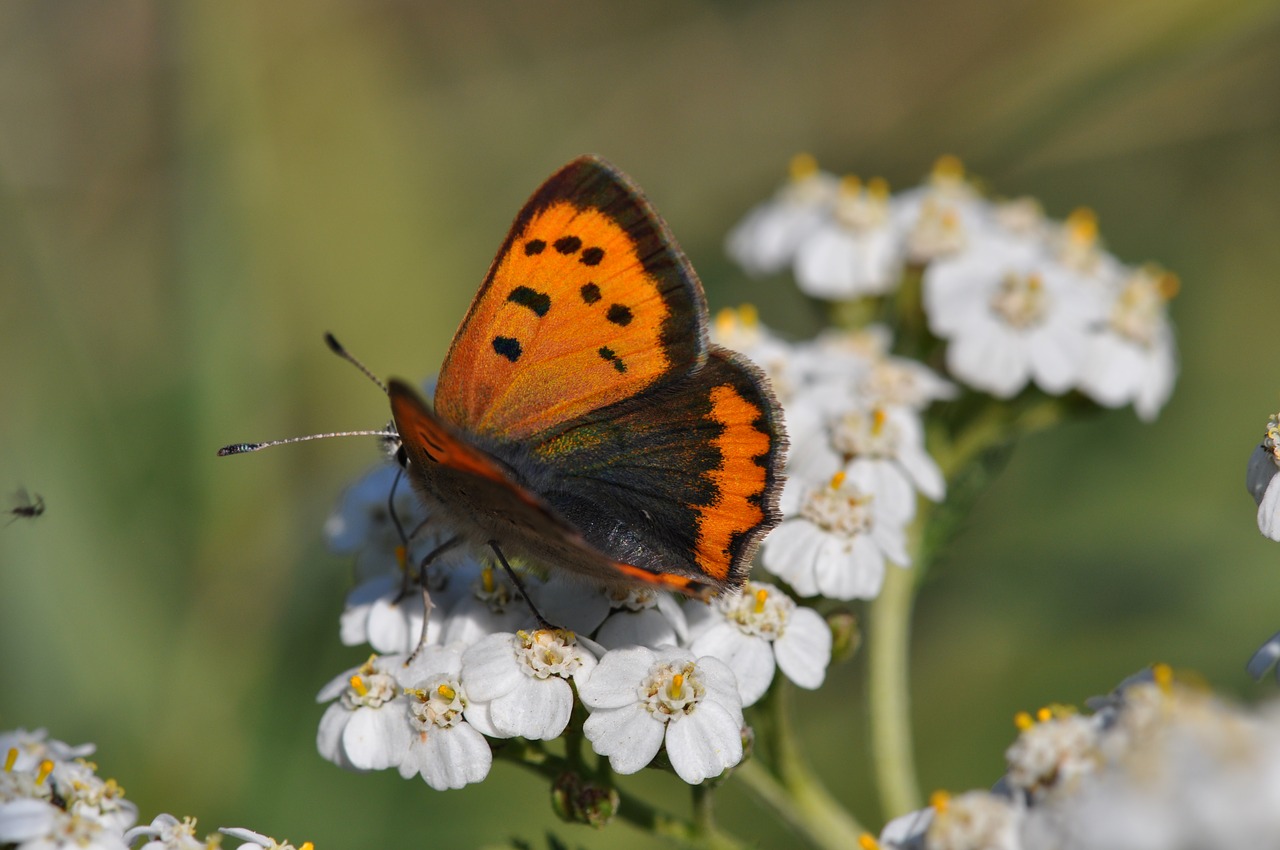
x: 245, y: 448
x: 337, y: 348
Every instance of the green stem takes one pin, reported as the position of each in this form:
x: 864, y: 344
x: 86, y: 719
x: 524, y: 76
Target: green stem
x: 793, y: 790
x: 704, y: 812
x: 889, y: 691
x: 631, y: 809
x: 889, y: 634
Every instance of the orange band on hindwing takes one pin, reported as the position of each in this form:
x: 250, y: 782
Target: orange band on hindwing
x: 740, y: 480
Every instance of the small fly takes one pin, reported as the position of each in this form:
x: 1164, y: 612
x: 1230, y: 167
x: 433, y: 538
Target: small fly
x: 27, y: 507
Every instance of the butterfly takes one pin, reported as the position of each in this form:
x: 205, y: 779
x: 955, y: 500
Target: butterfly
x: 582, y: 419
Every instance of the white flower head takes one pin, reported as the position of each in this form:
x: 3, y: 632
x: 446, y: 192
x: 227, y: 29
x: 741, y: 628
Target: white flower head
x: 254, y: 840
x: 1076, y: 245
x: 518, y: 684
x: 855, y: 251
x: 1181, y: 769
x: 1261, y: 479
x: 446, y: 750
x: 642, y: 617
x: 903, y: 382
x: 974, y: 820
x: 1132, y: 355
x: 1010, y: 316
x: 758, y: 629
x: 168, y: 833
x: 889, y: 444
x: 766, y: 240
x: 85, y: 793
x: 940, y: 218
x: 835, y: 539
x: 641, y: 698
x: 580, y: 606
x: 741, y: 330
x: 29, y: 824
x: 366, y: 727
x: 489, y: 604
x: 386, y: 611
x: 31, y: 747
x: 1021, y: 217
x: 362, y: 523
x: 1051, y: 755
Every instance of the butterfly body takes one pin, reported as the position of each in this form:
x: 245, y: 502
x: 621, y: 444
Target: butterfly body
x: 582, y: 419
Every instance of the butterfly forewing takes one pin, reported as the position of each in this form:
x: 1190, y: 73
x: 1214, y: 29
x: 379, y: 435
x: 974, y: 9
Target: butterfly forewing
x: 588, y: 302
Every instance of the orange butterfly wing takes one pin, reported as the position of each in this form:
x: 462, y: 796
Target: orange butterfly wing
x: 588, y: 302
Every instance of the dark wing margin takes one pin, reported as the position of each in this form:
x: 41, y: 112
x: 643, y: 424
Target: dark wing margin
x: 681, y: 480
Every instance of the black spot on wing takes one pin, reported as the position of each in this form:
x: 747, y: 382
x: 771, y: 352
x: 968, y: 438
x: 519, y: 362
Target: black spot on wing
x: 568, y: 244
x: 538, y: 302
x: 534, y: 246
x: 592, y: 256
x: 590, y: 293
x: 507, y: 347
x: 619, y: 314
x: 609, y: 355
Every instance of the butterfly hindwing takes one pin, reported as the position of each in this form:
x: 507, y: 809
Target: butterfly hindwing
x: 588, y: 302
x: 679, y: 481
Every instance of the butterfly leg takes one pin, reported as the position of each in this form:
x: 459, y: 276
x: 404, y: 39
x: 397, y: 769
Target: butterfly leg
x: 426, y: 594
x: 543, y: 623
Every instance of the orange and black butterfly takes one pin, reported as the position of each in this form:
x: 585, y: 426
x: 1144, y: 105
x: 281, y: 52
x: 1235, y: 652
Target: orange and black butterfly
x: 582, y: 419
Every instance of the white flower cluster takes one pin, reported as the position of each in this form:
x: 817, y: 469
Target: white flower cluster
x: 857, y: 461
x: 649, y: 671
x: 1017, y: 297
x: 1260, y: 479
x: 1157, y: 765
x: 51, y: 798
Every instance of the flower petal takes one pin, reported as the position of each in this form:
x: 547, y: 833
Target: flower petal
x: 750, y: 657
x: 615, y: 681
x: 704, y: 743
x: 537, y: 709
x: 629, y: 736
x: 804, y: 650
x: 455, y: 757
x: 491, y: 668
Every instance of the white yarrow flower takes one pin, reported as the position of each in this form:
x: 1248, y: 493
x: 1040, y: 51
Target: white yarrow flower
x: 643, y: 617
x: 362, y: 524
x: 758, y: 630
x: 766, y: 240
x: 835, y: 539
x: 1050, y: 756
x: 940, y: 218
x: 37, y: 825
x: 1010, y: 316
x: 489, y: 604
x: 641, y: 698
x: 168, y: 833
x: 974, y: 820
x: 1261, y: 480
x: 854, y: 251
x: 444, y: 748
x: 254, y: 840
x: 367, y: 726
x: 518, y: 684
x: 1132, y: 357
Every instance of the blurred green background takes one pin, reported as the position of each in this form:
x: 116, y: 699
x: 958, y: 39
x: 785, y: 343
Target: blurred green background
x: 191, y: 193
